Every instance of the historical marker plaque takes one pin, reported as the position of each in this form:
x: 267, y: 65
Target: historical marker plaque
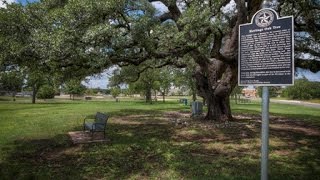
x: 266, y: 48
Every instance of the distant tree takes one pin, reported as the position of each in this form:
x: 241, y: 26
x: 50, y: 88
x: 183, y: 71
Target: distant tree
x: 94, y: 91
x: 35, y: 79
x: 46, y: 92
x: 303, y: 90
x: 143, y: 80
x: 144, y: 86
x: 107, y: 91
x: 164, y: 81
x: 115, y: 92
x: 74, y: 87
x: 236, y: 92
x: 89, y: 92
x: 11, y: 81
x: 127, y: 91
x: 183, y: 79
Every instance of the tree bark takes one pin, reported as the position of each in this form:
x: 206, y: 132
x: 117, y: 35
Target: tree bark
x: 236, y: 98
x: 155, y: 96
x: 215, y: 82
x: 14, y: 95
x: 34, y: 93
x: 163, y: 96
x: 219, y: 109
x: 148, y: 95
x: 194, y: 93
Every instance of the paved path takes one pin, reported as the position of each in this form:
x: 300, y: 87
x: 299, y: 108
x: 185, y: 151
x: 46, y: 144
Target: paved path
x: 307, y: 104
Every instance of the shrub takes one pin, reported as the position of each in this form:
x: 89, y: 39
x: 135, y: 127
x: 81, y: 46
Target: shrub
x: 303, y: 89
x: 46, y: 92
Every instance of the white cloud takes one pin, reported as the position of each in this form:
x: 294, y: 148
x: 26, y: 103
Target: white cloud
x: 99, y: 80
x: 229, y: 8
x: 2, y: 5
x: 160, y: 7
x: 307, y: 74
x: 97, y: 83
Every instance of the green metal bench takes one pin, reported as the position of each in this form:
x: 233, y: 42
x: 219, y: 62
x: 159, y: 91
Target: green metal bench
x: 98, y: 125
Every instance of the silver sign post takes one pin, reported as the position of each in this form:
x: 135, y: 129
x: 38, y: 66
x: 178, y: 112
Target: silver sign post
x: 265, y: 133
x: 266, y: 52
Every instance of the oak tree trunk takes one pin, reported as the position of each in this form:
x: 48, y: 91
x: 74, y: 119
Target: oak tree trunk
x: 218, y: 108
x: 163, y: 96
x: 148, y: 95
x: 14, y: 95
x: 215, y: 82
x: 34, y: 94
x: 194, y: 93
x: 155, y: 96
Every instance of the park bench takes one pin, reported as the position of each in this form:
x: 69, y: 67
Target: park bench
x: 98, y: 125
x: 183, y: 101
x: 88, y: 98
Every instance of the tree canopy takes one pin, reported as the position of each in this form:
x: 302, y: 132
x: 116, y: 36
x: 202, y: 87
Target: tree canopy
x: 83, y: 37
x: 74, y: 87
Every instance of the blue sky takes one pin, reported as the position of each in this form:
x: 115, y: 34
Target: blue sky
x: 26, y: 1
x: 17, y: 1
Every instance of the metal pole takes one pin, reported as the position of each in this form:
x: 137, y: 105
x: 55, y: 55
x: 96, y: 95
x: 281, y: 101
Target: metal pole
x: 265, y: 133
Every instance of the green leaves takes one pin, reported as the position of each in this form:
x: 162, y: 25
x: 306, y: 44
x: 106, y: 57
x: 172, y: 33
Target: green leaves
x: 46, y: 92
x: 115, y: 92
x: 303, y: 90
x: 11, y: 81
x: 74, y: 87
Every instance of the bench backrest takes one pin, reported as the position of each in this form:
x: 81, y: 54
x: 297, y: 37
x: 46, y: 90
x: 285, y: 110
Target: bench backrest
x: 101, y: 118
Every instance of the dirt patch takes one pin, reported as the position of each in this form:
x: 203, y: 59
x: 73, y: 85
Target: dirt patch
x: 299, y: 129
x: 81, y: 137
x: 179, y: 114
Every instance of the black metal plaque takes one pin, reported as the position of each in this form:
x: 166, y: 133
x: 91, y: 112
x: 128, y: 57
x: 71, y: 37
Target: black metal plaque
x: 266, y: 48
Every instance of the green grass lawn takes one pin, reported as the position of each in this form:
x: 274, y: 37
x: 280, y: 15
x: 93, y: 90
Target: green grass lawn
x: 144, y: 144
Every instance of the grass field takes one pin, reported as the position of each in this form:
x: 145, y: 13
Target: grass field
x: 145, y: 144
x: 310, y: 100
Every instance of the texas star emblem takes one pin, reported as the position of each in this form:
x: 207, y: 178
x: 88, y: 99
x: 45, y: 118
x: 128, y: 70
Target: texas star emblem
x: 264, y: 18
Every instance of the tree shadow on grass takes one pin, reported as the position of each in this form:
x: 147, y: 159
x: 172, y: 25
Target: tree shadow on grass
x: 143, y: 150
x: 293, y: 146
x: 134, y: 149
x: 128, y: 112
x: 297, y: 146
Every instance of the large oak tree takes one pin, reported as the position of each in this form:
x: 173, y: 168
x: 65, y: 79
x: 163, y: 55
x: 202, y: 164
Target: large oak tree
x: 85, y: 36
